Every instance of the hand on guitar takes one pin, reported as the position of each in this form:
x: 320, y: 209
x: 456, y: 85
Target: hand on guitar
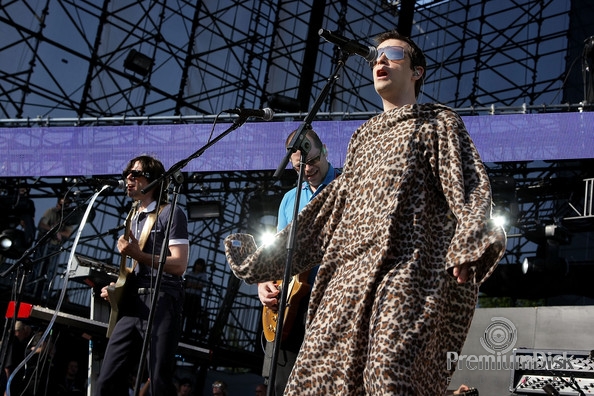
x: 129, y: 246
x: 104, y: 294
x: 466, y: 391
x: 268, y: 293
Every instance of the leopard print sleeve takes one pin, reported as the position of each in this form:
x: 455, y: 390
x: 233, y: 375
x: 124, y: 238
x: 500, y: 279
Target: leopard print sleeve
x: 467, y: 190
x: 258, y: 264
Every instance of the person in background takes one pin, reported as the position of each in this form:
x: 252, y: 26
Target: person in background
x: 26, y: 344
x: 24, y: 209
x: 144, y: 386
x: 71, y: 383
x: 184, y: 387
x: 403, y: 240
x: 219, y: 388
x: 149, y: 218
x: 21, y: 342
x: 52, y: 217
x: 49, y: 251
x: 318, y: 173
x: 261, y: 389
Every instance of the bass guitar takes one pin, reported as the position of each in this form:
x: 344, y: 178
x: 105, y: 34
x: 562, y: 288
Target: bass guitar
x: 298, y: 288
x: 116, y: 290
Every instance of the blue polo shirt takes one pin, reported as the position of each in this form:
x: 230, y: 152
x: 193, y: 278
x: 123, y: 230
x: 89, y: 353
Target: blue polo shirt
x: 285, y: 210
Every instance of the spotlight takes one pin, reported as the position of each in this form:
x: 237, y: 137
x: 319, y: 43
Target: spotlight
x: 502, y: 217
x: 548, y: 233
x: 138, y: 63
x: 532, y: 264
x: 558, y: 234
x: 553, y: 266
x: 12, y: 243
x: 505, y: 212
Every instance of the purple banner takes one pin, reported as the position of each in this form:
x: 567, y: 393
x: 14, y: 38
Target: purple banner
x: 86, y: 151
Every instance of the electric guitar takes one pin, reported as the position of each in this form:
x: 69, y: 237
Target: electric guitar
x: 116, y: 290
x: 298, y: 288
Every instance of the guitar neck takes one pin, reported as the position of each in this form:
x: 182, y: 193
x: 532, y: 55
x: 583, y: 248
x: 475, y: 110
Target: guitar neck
x: 127, y: 228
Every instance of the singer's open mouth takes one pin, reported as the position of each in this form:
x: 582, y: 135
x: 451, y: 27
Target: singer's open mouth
x: 381, y: 73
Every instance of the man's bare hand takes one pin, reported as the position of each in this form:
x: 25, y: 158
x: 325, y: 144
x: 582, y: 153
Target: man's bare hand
x: 461, y: 273
x: 104, y: 293
x: 268, y: 293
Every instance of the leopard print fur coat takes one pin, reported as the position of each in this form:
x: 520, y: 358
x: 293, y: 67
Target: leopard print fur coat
x: 414, y: 200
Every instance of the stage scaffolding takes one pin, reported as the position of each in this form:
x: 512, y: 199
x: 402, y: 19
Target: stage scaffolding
x: 77, y: 63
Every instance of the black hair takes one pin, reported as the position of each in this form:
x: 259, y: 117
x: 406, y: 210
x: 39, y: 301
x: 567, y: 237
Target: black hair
x: 417, y: 57
x: 152, y: 168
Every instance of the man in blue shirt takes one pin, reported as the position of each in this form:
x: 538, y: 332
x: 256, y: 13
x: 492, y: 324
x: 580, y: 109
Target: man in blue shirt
x: 318, y: 173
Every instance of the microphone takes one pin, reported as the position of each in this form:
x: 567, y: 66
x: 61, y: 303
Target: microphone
x: 350, y: 46
x: 266, y: 114
x: 109, y: 182
x: 115, y: 230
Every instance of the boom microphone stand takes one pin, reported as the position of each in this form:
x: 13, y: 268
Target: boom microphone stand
x: 301, y: 143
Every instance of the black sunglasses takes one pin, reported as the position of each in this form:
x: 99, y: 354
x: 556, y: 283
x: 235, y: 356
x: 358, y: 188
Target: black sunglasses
x: 135, y: 174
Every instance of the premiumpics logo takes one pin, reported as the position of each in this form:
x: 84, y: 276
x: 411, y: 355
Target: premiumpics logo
x: 500, y: 336
x: 498, y: 339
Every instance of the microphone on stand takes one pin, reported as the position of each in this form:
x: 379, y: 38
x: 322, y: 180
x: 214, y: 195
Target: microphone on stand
x: 109, y: 182
x: 266, y: 114
x: 350, y: 46
x: 115, y: 230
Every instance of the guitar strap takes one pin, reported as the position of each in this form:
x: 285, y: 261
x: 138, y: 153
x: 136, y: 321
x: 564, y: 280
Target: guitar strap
x: 146, y: 229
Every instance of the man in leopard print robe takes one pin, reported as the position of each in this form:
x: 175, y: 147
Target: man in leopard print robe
x: 404, y: 239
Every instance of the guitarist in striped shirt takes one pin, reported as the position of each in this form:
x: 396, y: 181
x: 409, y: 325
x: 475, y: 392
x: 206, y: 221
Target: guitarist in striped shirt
x: 318, y: 174
x: 143, y: 247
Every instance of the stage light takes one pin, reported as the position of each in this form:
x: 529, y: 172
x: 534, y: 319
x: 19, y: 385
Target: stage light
x: 548, y: 233
x: 267, y: 237
x: 263, y: 216
x: 532, y: 264
x: 550, y: 265
x: 138, y: 63
x: 201, y: 210
x: 506, y: 209
x: 12, y: 243
x: 558, y: 234
x: 501, y: 218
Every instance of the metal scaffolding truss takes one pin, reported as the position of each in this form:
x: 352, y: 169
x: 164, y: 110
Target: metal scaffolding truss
x: 64, y: 58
